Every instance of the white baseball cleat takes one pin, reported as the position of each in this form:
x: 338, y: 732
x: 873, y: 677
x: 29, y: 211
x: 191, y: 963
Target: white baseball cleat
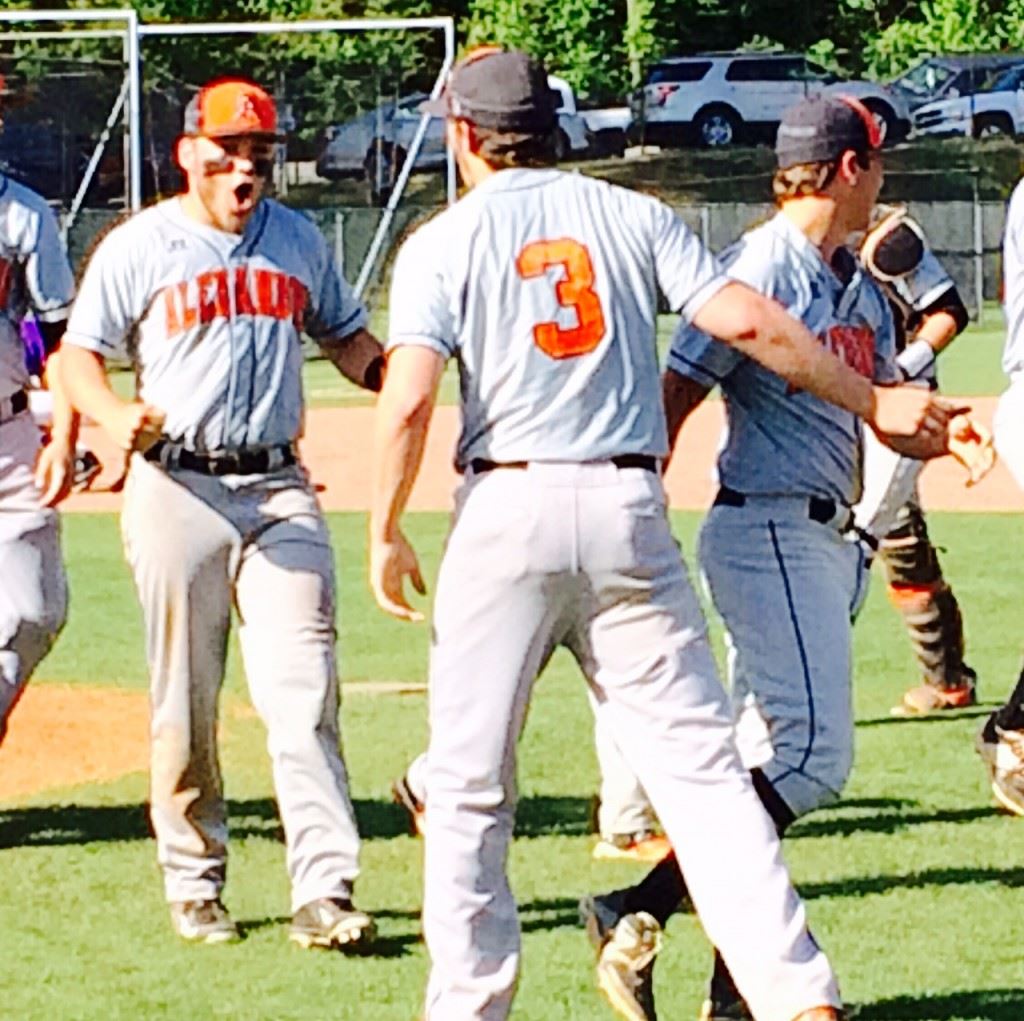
x: 203, y: 921
x: 625, y: 966
x: 331, y: 922
x: 1002, y: 751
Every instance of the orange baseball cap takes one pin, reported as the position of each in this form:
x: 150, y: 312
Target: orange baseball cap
x: 231, y: 106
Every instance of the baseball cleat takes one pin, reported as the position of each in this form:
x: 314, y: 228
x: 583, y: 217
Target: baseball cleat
x: 403, y: 794
x: 625, y: 966
x: 203, y: 921
x: 644, y: 846
x: 331, y: 922
x: 1002, y: 751
x: 927, y: 699
x: 736, y: 1011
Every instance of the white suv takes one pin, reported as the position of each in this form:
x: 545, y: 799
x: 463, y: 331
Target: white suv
x: 718, y: 99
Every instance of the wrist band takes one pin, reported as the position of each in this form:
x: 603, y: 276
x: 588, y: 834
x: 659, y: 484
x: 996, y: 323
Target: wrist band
x: 916, y: 358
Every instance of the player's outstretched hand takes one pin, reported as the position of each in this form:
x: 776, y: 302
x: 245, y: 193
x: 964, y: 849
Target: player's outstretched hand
x: 390, y: 564
x: 135, y: 426
x: 55, y: 471
x: 909, y: 410
x: 971, y: 444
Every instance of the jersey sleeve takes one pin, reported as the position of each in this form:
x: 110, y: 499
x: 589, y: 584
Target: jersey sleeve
x: 102, y: 317
x: 688, y: 274
x: 697, y: 354
x: 420, y: 309
x: 48, y: 278
x: 334, y: 310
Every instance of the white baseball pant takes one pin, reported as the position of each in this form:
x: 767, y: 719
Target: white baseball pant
x: 582, y: 555
x: 33, y: 588
x: 786, y: 588
x: 1008, y: 429
x: 199, y: 547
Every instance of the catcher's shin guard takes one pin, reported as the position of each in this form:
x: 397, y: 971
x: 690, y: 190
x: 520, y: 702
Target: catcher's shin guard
x: 927, y: 604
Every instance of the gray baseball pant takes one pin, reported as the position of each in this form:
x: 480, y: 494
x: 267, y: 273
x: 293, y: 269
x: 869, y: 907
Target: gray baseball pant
x: 200, y: 546
x: 33, y: 588
x: 582, y: 555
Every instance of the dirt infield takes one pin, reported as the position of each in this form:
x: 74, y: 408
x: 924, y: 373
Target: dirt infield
x: 63, y: 736
x: 338, y: 445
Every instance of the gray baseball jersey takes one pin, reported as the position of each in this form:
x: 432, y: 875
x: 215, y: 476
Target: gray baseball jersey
x: 213, y: 320
x: 34, y: 274
x: 780, y: 441
x: 589, y: 290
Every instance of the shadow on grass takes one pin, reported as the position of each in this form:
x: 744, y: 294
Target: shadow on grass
x: 57, y: 825
x: 990, y: 1004
x: 950, y: 716
x: 883, y: 822
x: 860, y: 886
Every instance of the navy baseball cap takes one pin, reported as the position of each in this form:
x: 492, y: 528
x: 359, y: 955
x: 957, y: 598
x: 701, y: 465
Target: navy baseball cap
x: 821, y: 129
x: 506, y: 90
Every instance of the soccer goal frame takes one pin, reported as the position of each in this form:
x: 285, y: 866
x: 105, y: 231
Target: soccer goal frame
x: 130, y: 92
x: 445, y: 25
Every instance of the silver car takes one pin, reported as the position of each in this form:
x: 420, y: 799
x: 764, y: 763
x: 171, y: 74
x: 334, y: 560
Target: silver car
x: 375, y: 144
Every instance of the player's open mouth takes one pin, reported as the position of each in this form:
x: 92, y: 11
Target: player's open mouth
x: 244, y: 194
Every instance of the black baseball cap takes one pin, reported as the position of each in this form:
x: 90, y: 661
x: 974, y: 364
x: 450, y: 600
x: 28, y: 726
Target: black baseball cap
x: 821, y: 129
x: 506, y: 90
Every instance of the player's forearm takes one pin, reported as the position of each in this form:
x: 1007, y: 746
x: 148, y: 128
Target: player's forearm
x: 65, y: 422
x: 399, y: 439
x: 921, y: 446
x: 359, y: 357
x: 764, y: 331
x: 83, y: 379
x: 404, y: 410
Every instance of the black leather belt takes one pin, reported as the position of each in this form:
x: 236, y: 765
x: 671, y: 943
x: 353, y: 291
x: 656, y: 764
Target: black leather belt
x: 645, y: 461
x: 221, y: 462
x: 822, y: 509
x: 18, y: 402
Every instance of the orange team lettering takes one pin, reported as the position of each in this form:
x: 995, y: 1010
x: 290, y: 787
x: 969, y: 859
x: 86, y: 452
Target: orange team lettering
x: 6, y: 276
x: 211, y: 295
x: 575, y: 290
x: 855, y: 345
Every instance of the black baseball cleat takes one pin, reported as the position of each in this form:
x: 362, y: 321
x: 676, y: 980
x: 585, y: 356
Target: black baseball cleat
x: 331, y: 922
x: 87, y: 467
x: 600, y: 914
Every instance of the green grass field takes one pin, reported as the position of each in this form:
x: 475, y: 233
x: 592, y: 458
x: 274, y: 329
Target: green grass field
x: 914, y: 883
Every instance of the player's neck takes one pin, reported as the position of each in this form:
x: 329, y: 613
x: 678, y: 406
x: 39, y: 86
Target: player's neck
x: 818, y: 218
x: 473, y: 169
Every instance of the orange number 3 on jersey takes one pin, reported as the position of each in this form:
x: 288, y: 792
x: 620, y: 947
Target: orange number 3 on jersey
x: 574, y: 290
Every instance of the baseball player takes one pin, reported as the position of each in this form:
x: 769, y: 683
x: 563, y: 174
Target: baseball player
x: 779, y: 570
x: 543, y: 286
x: 928, y: 313
x: 34, y: 275
x: 1001, y: 741
x: 208, y: 293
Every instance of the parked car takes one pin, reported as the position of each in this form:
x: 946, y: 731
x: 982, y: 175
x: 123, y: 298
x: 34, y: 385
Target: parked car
x: 948, y: 76
x: 375, y: 144
x: 600, y: 131
x: 717, y: 99
x: 996, y: 110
